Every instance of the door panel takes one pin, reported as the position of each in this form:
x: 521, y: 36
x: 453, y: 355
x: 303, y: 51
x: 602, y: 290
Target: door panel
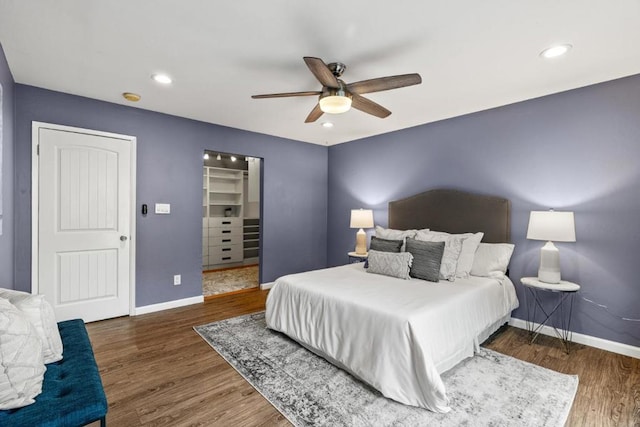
x: 88, y: 189
x: 84, y: 210
x: 87, y: 275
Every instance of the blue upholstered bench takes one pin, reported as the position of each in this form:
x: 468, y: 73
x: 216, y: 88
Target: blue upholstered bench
x: 72, y: 393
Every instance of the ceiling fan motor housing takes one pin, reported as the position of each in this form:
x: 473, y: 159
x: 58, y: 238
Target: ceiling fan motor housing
x: 341, y: 90
x: 337, y: 68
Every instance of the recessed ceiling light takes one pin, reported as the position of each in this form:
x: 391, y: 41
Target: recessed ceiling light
x: 233, y: 158
x: 161, y: 78
x: 555, y: 51
x: 130, y: 96
x: 327, y: 125
x: 206, y: 156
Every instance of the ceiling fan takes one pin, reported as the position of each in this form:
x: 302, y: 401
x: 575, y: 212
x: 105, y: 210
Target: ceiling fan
x: 338, y: 97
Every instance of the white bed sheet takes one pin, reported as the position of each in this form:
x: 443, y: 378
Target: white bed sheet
x: 396, y: 335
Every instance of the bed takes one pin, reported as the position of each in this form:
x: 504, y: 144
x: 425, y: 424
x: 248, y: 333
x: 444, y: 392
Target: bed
x: 399, y: 335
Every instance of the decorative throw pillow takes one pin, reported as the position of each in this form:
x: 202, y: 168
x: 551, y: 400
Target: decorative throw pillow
x: 468, y: 253
x: 390, y: 263
x: 21, y: 362
x: 452, y: 248
x: 391, y: 234
x: 470, y: 242
x: 427, y: 257
x: 385, y: 245
x: 40, y: 313
x: 492, y: 260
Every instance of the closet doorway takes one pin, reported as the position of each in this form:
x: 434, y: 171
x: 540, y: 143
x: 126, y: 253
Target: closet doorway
x: 231, y: 212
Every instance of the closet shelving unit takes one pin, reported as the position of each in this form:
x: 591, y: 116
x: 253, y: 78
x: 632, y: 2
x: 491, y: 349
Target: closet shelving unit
x: 223, y: 189
x: 222, y: 198
x: 251, y: 239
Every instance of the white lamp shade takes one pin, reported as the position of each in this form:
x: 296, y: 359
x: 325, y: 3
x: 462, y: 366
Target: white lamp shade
x: 335, y: 104
x: 551, y: 226
x: 361, y: 218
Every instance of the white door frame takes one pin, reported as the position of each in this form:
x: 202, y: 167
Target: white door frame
x: 35, y: 173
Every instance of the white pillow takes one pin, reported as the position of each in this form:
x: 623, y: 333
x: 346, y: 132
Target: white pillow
x: 392, y: 234
x: 492, y: 260
x: 394, y: 264
x: 452, y: 249
x: 21, y: 362
x: 40, y: 313
x: 468, y: 253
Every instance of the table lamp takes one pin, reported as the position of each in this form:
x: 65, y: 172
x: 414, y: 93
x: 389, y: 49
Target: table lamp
x: 361, y: 218
x: 551, y: 226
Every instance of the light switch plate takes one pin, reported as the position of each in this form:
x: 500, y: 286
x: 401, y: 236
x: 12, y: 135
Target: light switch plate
x: 163, y: 208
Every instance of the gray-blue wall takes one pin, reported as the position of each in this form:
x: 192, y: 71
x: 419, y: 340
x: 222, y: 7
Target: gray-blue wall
x: 169, y: 170
x: 6, y: 178
x: 576, y: 150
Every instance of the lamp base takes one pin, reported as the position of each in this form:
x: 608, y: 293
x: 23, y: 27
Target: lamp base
x: 549, y: 271
x: 361, y: 242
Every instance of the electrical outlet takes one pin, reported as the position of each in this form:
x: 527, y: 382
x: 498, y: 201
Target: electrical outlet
x: 177, y: 280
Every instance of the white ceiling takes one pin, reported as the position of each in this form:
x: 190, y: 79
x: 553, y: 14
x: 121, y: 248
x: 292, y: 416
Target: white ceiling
x: 472, y: 55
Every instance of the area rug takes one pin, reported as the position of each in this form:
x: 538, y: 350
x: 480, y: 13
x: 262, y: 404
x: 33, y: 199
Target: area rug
x: 489, y: 389
x: 229, y: 280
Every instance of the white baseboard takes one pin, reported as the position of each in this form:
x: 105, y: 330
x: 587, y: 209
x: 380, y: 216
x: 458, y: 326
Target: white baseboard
x: 168, y: 305
x: 615, y: 347
x: 265, y: 286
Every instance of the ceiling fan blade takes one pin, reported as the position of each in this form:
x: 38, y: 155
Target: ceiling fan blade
x: 314, y: 114
x: 384, y: 83
x: 321, y: 71
x: 287, y: 94
x: 363, y: 104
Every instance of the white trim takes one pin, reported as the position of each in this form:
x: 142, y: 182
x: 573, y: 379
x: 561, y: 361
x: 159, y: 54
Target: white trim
x: 133, y: 236
x: 168, y: 305
x: 35, y: 208
x: 265, y: 286
x: 615, y: 347
x: 35, y: 171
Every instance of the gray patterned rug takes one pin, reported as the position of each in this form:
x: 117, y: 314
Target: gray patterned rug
x: 490, y: 389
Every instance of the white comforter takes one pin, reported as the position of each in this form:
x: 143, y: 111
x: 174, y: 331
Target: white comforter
x: 396, y: 335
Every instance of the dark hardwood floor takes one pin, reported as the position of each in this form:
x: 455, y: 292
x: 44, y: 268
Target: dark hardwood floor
x: 158, y: 372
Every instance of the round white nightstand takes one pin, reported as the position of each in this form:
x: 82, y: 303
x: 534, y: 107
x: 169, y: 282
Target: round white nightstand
x: 355, y: 257
x: 565, y: 291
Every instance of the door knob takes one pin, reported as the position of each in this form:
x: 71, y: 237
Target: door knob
x: 123, y: 238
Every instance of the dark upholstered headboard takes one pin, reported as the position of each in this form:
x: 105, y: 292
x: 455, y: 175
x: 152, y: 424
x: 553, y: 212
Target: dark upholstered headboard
x: 454, y: 212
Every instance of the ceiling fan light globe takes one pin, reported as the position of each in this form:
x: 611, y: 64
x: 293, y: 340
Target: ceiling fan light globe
x: 335, y: 104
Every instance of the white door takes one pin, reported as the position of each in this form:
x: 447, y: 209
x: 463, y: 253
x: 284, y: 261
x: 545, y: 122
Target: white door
x: 84, y: 222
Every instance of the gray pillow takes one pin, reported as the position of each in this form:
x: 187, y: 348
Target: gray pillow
x: 390, y: 263
x: 385, y: 245
x: 427, y: 257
